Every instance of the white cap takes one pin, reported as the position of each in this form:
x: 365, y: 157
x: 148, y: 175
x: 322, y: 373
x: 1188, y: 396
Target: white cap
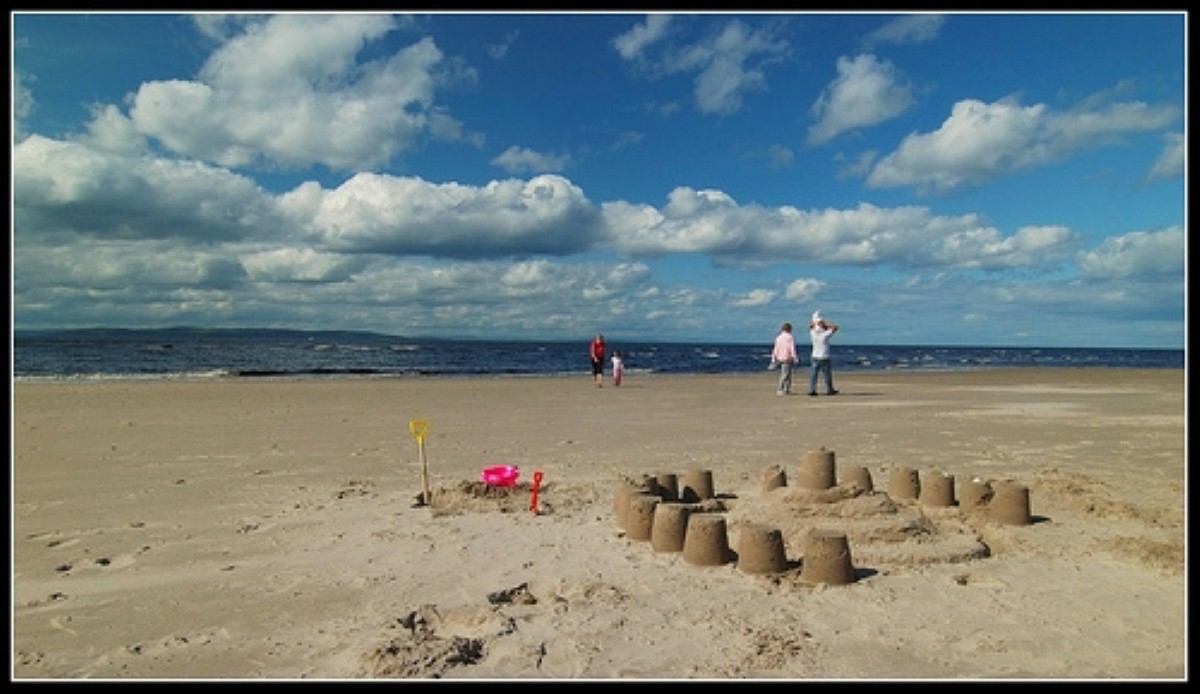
x: 817, y: 317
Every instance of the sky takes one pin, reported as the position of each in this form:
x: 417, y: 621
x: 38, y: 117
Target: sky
x: 966, y: 179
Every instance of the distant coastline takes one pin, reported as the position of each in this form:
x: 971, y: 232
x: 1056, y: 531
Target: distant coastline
x: 198, y: 331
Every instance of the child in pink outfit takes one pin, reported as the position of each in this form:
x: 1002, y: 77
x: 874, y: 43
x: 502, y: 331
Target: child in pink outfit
x: 618, y: 367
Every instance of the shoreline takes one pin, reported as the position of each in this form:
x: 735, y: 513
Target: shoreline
x: 799, y: 370
x: 267, y: 528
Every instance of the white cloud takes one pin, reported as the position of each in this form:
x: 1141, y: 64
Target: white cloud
x: 980, y: 142
x: 727, y: 64
x: 111, y: 131
x: 712, y: 223
x: 986, y: 248
x: 62, y: 187
x: 300, y: 265
x: 519, y: 160
x: 372, y: 213
x: 803, y: 289
x: 1170, y: 163
x: 631, y: 44
x: 754, y: 298
x: 289, y: 90
x: 726, y: 75
x: 866, y: 92
x: 914, y: 28
x: 1140, y: 254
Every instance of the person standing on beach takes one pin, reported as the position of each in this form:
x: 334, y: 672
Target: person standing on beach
x: 597, y: 350
x: 784, y: 354
x: 820, y: 330
x: 618, y: 367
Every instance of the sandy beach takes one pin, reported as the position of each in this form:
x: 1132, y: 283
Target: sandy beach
x: 275, y: 529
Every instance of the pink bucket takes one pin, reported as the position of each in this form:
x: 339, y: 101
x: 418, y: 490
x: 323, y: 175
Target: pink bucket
x: 501, y: 475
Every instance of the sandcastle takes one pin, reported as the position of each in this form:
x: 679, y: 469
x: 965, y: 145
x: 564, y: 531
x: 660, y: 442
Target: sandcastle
x: 682, y: 513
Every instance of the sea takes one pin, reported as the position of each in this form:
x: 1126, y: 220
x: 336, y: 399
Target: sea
x: 201, y: 353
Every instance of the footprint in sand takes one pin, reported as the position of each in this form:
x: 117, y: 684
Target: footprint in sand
x: 978, y: 580
x: 59, y: 623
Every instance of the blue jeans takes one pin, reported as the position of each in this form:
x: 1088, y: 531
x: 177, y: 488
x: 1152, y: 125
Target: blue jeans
x: 818, y: 366
x: 785, y: 377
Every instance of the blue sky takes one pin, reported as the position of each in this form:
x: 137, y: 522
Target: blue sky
x: 994, y: 179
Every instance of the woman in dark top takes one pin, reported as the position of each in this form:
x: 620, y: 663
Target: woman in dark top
x: 597, y: 353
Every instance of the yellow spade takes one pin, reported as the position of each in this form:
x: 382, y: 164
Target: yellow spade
x: 420, y: 427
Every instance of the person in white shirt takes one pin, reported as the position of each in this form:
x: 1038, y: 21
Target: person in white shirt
x: 820, y: 330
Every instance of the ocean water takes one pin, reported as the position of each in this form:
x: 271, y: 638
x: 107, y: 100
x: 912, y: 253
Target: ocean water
x: 252, y: 353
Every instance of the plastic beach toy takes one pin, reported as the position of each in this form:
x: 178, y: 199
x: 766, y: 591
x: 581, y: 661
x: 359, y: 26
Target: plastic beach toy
x: 501, y: 475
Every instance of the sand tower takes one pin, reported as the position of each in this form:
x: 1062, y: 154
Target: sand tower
x: 760, y: 550
x: 904, y: 483
x: 817, y: 469
x: 706, y: 542
x: 937, y: 489
x: 668, y: 486
x: 696, y: 485
x: 626, y: 489
x: 1010, y: 503
x: 639, y: 516
x: 974, y: 495
x: 858, y: 476
x: 827, y: 558
x: 773, y: 478
x: 670, y: 526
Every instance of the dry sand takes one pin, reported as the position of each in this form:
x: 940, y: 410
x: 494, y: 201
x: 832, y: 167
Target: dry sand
x: 271, y: 529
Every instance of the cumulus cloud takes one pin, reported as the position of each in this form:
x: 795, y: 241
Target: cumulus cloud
x: 111, y: 131
x: 372, y: 213
x: 727, y: 64
x: 289, y: 90
x: 66, y: 187
x: 914, y: 28
x: 434, y: 285
x: 981, y: 141
x: 1171, y: 162
x: 866, y: 92
x: 124, y: 264
x: 302, y: 265
x: 712, y: 223
x: 986, y: 248
x: 803, y: 289
x: 519, y: 160
x: 1138, y: 254
x: 754, y: 298
x: 631, y: 44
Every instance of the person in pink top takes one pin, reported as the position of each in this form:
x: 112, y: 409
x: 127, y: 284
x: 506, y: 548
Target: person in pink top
x: 784, y: 355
